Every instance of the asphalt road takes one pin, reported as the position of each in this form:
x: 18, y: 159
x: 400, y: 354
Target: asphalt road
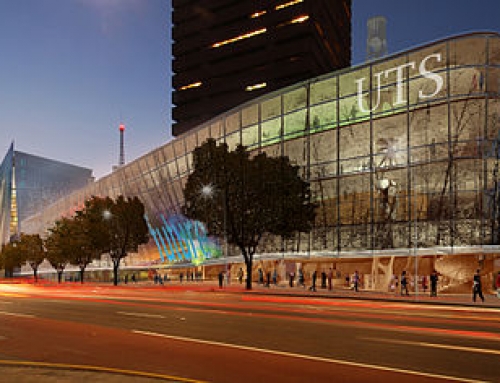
x: 182, y: 335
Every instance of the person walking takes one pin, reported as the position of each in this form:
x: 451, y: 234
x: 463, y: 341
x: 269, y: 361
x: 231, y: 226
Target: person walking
x: 292, y: 277
x: 424, y: 283
x: 221, y: 279
x: 313, y: 286
x: 404, y: 283
x: 355, y: 280
x: 275, y: 277
x: 434, y: 282
x: 477, y: 288
x: 240, y: 275
x: 261, y: 277
x: 329, y: 277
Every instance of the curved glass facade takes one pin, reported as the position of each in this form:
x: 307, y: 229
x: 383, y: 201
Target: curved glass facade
x: 400, y: 152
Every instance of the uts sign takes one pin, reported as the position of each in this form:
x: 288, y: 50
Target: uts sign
x: 399, y: 83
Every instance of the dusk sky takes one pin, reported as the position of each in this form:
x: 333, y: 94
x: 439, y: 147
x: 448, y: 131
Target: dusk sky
x: 72, y: 70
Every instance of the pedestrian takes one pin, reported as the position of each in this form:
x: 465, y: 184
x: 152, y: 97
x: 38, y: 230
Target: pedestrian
x: 434, y: 282
x: 330, y: 276
x: 181, y: 275
x: 313, y: 286
x: 240, y: 275
x: 347, y: 279
x: 404, y: 283
x: 323, y: 280
x: 477, y: 288
x: 133, y: 278
x: 155, y: 278
x: 228, y: 277
x: 292, y: 277
x: 275, y: 277
x: 221, y: 279
x: 498, y: 285
x: 126, y: 278
x: 261, y: 276
x: 355, y: 280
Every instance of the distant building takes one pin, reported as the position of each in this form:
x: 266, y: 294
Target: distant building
x: 29, y: 183
x: 227, y: 52
x: 376, y: 42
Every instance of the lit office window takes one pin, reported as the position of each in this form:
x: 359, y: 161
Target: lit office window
x: 249, y: 88
x: 299, y: 19
x: 288, y: 4
x: 257, y: 14
x: 240, y: 37
x: 192, y: 85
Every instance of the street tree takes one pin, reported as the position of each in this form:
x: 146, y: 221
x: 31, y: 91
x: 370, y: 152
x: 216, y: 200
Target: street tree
x: 126, y: 228
x: 11, y: 257
x: 91, y: 231
x: 33, y: 250
x: 240, y: 199
x: 59, y: 245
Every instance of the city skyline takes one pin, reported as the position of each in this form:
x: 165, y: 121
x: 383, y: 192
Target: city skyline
x: 72, y: 71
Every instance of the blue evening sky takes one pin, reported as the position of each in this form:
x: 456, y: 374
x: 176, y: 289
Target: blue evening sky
x: 72, y: 70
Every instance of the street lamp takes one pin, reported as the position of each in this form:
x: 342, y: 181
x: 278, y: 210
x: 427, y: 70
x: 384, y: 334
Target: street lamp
x: 207, y: 192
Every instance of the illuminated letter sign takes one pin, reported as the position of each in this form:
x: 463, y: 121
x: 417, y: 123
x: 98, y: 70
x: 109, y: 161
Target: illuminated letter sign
x: 399, y: 83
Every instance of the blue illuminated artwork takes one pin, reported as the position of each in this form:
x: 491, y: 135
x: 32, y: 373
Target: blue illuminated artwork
x: 182, y: 240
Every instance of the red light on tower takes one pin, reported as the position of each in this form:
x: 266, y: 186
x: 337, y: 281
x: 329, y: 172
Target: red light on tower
x: 122, y: 127
x: 121, y: 161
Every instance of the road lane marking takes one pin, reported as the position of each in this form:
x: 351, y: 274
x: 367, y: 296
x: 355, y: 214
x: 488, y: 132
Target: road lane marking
x: 141, y: 315
x: 17, y: 314
x: 307, y: 357
x: 435, y: 345
x: 97, y: 369
x: 5, y: 302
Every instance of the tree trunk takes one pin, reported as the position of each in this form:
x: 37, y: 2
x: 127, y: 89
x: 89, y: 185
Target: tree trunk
x: 59, y: 275
x: 116, y: 265
x: 82, y: 270
x: 35, y: 273
x: 248, y: 262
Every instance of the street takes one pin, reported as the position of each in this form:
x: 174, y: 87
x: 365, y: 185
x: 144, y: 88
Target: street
x: 189, y: 334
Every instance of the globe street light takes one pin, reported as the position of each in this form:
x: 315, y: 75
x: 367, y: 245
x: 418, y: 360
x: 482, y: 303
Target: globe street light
x: 207, y: 192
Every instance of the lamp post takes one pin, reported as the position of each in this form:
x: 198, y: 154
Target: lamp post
x: 207, y: 192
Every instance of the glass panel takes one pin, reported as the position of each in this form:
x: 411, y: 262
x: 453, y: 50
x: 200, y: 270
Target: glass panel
x: 190, y: 142
x: 250, y: 136
x: 425, y: 90
x: 323, y: 116
x: 168, y: 152
x: 203, y: 135
x: 467, y: 51
x: 295, y: 123
x: 179, y: 147
x: 295, y: 99
x: 323, y: 90
x: 493, y: 82
x: 354, y: 141
x: 494, y: 50
x: 232, y: 123
x: 217, y: 129
x: 323, y: 147
x: 250, y: 115
x: 233, y: 140
x: 271, y: 108
x: 349, y: 81
x: 350, y: 112
x: 465, y: 81
x: 271, y: 131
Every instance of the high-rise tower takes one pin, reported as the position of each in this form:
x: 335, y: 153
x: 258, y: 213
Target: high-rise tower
x: 376, y: 42
x: 229, y: 51
x: 121, y: 160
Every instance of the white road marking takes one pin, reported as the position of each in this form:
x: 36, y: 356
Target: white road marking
x: 5, y: 302
x: 308, y: 357
x: 142, y: 315
x: 436, y: 345
x: 17, y: 314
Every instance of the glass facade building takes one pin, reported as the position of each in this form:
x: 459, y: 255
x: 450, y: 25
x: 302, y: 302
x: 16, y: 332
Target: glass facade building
x: 401, y: 154
x: 28, y: 184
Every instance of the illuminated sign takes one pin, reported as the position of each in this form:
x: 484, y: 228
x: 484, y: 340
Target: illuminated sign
x: 399, y: 82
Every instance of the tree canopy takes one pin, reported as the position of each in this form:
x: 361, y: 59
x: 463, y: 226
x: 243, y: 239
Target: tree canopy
x: 241, y: 198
